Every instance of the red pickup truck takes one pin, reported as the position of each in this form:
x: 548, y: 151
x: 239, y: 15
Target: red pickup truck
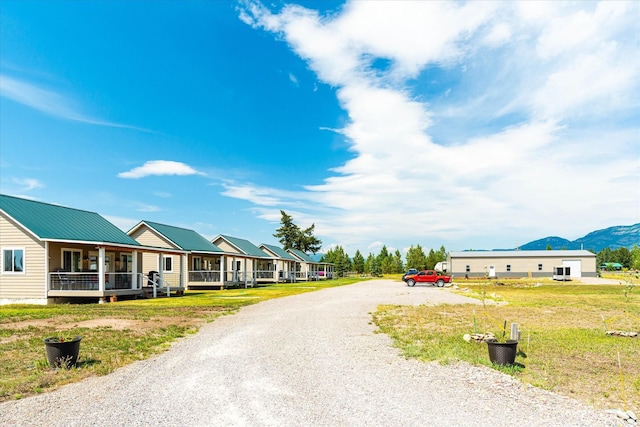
x: 432, y: 277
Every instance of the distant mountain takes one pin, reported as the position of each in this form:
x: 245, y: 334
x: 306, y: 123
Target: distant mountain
x: 612, y: 237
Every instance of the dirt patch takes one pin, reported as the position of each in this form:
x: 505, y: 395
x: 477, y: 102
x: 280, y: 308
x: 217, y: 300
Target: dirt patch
x: 118, y: 324
x: 60, y: 325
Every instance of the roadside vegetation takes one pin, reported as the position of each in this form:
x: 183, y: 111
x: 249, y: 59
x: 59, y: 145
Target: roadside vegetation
x: 563, y: 345
x: 114, y: 334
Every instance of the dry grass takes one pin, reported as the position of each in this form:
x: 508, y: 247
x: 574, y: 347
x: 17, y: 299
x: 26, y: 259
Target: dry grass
x: 113, y: 335
x: 563, y: 346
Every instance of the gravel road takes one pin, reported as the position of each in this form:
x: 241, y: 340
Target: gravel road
x: 306, y: 360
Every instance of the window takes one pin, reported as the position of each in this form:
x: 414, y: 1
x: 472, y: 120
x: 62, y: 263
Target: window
x: 197, y: 263
x: 126, y: 262
x: 539, y: 267
x: 508, y: 267
x: 71, y: 260
x: 168, y: 264
x: 468, y: 268
x: 13, y: 260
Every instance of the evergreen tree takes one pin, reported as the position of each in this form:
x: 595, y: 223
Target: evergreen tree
x: 376, y: 268
x: 387, y: 265
x: 358, y: 262
x: 432, y: 259
x: 635, y: 257
x: 368, y: 265
x: 291, y: 237
x: 308, y: 242
x: 288, y: 232
x: 416, y: 258
x: 623, y: 256
x: 340, y: 260
x: 398, y: 267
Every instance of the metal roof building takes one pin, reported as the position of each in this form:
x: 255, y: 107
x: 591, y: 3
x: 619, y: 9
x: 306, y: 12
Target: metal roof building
x: 521, y: 263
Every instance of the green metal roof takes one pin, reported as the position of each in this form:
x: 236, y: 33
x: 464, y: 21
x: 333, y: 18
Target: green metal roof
x: 54, y: 222
x: 246, y: 247
x: 303, y: 256
x: 280, y: 252
x: 186, y: 239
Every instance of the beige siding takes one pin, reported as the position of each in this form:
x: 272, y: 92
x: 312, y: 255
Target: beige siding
x: 149, y: 262
x: 31, y: 284
x: 518, y: 265
x: 147, y: 237
x: 226, y: 247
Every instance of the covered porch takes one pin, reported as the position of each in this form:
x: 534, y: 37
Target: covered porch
x: 77, y: 270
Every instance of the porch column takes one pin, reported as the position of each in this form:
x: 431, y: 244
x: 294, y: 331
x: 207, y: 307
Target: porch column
x: 223, y: 267
x: 244, y: 269
x: 161, y: 271
x: 254, y: 273
x: 275, y: 270
x: 101, y: 258
x: 47, y: 275
x: 234, y: 271
x: 134, y: 270
x: 183, y: 259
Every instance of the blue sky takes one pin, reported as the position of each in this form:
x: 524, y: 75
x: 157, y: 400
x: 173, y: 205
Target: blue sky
x: 470, y: 125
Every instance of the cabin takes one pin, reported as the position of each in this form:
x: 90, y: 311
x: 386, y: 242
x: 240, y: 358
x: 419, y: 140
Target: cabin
x: 52, y: 253
x: 308, y: 269
x: 198, y: 267
x: 284, y: 262
x: 246, y: 264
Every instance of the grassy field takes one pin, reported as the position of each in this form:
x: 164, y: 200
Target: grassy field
x: 563, y: 345
x: 115, y: 334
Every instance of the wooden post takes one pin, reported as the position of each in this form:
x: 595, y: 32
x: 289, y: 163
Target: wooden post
x: 515, y: 333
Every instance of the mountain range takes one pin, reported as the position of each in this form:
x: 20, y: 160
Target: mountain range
x: 612, y: 237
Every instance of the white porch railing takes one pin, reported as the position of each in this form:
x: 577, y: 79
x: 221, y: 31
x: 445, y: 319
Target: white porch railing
x: 81, y: 281
x: 204, y: 276
x: 265, y: 274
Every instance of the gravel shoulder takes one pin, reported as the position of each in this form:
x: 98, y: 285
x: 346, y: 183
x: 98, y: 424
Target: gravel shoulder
x: 310, y: 359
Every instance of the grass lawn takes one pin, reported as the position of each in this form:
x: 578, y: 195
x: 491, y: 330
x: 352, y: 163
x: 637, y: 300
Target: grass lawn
x: 114, y: 334
x: 563, y: 345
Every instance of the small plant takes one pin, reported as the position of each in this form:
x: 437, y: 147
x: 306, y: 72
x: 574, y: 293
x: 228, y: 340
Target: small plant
x: 63, y: 338
x: 627, y: 288
x: 65, y: 362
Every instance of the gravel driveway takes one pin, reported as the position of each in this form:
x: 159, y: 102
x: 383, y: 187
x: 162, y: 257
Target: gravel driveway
x: 306, y: 360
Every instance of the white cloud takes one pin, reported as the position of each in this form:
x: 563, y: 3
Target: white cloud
x: 49, y: 102
x: 516, y: 163
x: 159, y: 167
x: 27, y: 184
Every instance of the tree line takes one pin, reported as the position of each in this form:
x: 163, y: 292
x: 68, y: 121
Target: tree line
x: 293, y: 237
x: 385, y: 262
x: 630, y: 259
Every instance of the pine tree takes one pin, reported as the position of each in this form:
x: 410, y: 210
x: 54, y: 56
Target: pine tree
x: 291, y: 237
x: 416, y: 258
x: 358, y: 262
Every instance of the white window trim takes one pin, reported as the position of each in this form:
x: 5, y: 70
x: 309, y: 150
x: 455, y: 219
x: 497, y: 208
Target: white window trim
x: 164, y: 263
x: 72, y: 250
x: 24, y: 260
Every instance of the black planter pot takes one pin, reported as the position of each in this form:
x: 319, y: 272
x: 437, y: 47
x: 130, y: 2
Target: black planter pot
x: 502, y: 353
x: 62, y: 354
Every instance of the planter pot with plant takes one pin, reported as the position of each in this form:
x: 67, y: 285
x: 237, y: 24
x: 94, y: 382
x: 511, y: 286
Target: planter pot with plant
x: 502, y: 351
x: 62, y: 352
